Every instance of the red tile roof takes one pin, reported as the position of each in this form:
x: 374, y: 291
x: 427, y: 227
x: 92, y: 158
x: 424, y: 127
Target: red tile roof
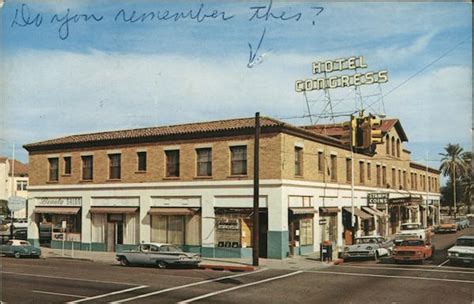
x: 21, y: 169
x: 174, y: 130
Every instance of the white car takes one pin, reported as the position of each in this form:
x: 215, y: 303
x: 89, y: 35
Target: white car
x: 368, y: 247
x: 413, y: 229
x: 20, y: 223
x: 462, y: 251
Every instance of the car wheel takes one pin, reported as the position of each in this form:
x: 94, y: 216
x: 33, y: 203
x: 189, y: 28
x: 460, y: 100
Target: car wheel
x: 124, y: 261
x: 161, y: 264
x: 17, y: 255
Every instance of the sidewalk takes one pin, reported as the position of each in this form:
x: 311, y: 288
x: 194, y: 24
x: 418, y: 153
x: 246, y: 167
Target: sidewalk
x: 309, y: 262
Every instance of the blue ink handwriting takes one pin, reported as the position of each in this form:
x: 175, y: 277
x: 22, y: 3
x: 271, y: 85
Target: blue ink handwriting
x: 166, y: 15
x: 63, y: 30
x: 252, y: 56
x: 25, y: 17
x: 265, y: 12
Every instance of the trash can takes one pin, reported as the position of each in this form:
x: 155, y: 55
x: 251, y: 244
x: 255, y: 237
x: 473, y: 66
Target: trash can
x: 326, y: 251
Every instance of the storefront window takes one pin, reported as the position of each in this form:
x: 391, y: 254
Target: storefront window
x: 176, y: 229
x: 306, y: 231
x: 233, y: 229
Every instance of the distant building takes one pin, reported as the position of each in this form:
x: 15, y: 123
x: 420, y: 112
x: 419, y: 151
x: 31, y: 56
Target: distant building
x: 13, y: 183
x: 191, y: 185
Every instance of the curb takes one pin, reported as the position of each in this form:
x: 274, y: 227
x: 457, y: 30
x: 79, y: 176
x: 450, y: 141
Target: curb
x: 233, y: 268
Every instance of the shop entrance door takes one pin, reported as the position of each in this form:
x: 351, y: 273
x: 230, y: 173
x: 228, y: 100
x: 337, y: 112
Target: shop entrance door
x: 111, y: 236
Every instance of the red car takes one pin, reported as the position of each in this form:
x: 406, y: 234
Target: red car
x: 413, y: 250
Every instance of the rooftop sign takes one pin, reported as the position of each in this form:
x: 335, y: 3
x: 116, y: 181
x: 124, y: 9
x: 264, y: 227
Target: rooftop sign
x: 340, y: 81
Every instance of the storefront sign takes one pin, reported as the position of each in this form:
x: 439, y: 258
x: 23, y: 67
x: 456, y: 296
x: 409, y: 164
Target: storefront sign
x: 16, y: 203
x: 337, y: 81
x: 63, y: 201
x: 377, y: 198
x: 228, y: 224
x: 407, y: 200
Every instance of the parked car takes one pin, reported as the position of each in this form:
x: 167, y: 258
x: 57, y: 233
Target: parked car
x: 368, y: 247
x: 448, y: 225
x: 462, y: 251
x: 161, y: 255
x: 20, y: 248
x: 413, y: 250
x: 414, y: 229
x: 20, y: 223
x: 463, y: 222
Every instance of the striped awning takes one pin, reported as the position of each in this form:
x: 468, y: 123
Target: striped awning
x: 303, y: 210
x: 57, y: 210
x: 172, y: 211
x: 113, y: 210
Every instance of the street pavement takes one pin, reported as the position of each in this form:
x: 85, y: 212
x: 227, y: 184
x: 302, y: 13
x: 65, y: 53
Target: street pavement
x: 57, y: 280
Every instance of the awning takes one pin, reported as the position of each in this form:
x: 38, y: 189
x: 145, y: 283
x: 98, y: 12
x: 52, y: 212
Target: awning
x: 423, y: 206
x: 114, y: 210
x: 172, y: 211
x: 329, y: 209
x: 57, y: 210
x: 373, y: 211
x: 303, y: 210
x: 359, y: 213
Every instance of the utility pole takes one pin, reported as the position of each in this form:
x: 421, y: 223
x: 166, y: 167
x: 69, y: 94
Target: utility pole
x: 256, y: 190
x: 454, y: 189
x: 13, y: 189
x: 352, y: 184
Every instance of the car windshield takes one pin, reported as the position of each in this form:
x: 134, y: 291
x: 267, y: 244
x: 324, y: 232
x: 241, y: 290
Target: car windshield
x: 412, y: 243
x: 366, y: 241
x: 25, y: 243
x: 465, y: 242
x: 410, y: 227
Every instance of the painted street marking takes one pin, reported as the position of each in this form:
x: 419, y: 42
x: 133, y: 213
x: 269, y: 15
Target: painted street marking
x: 390, y: 276
x: 408, y: 269
x: 187, y: 285
x: 211, y: 294
x: 65, y: 278
x: 108, y: 294
x: 443, y: 263
x: 58, y: 294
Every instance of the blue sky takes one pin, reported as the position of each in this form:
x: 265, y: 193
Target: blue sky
x: 111, y: 74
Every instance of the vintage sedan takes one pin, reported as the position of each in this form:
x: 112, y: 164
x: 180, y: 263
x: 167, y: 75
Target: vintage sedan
x: 160, y: 255
x: 20, y: 248
x: 462, y: 251
x: 368, y: 247
x: 413, y: 250
x: 448, y: 225
x: 463, y: 222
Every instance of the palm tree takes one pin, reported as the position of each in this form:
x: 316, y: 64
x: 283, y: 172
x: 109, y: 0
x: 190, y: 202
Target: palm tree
x: 466, y: 180
x: 453, y: 165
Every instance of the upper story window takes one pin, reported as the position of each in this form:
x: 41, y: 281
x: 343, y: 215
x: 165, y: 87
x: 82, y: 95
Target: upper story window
x: 320, y: 161
x: 394, y: 178
x: 361, y: 172
x: 172, y: 163
x: 334, y: 167
x: 238, y: 160
x: 21, y: 185
x: 400, y: 178
x: 114, y: 166
x: 379, y: 176
x: 141, y: 158
x: 384, y: 176
x: 393, y: 146
x: 405, y: 180
x: 53, y: 169
x: 67, y: 165
x: 369, y: 172
x: 387, y: 144
x: 398, y: 147
x: 204, y: 162
x: 298, y: 161
x: 87, y: 167
x: 348, y: 169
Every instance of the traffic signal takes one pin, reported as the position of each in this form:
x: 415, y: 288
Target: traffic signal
x: 350, y: 128
x: 375, y: 132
